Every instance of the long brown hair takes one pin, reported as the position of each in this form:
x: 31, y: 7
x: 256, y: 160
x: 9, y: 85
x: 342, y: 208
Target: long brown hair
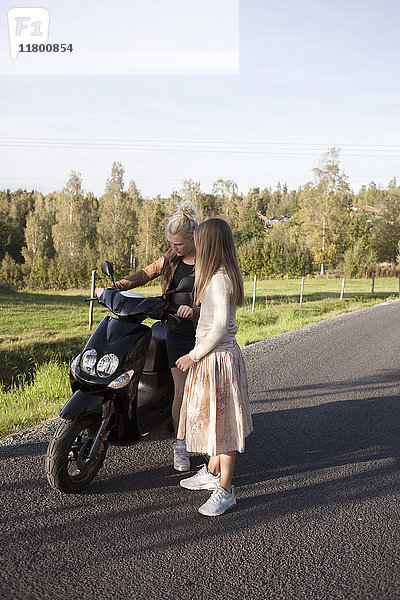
x: 215, y: 250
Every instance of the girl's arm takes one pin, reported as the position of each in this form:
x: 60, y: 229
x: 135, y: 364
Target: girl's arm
x: 141, y: 277
x: 216, y: 306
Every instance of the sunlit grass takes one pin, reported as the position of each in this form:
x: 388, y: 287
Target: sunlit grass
x: 31, y: 403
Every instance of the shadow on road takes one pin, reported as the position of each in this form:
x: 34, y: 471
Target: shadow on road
x: 329, y: 454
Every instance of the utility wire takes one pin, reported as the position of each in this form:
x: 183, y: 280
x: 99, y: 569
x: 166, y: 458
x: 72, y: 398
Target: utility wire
x: 194, y: 150
x: 191, y: 146
x: 241, y: 142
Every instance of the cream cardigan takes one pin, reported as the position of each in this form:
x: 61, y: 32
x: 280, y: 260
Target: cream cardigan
x: 217, y: 327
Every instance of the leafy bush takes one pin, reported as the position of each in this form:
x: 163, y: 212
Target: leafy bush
x: 281, y: 254
x: 358, y: 261
x: 10, y: 272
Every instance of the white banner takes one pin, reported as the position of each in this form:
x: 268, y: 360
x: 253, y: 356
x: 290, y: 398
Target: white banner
x: 123, y: 37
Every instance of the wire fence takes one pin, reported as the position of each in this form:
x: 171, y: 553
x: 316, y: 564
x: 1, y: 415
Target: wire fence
x: 306, y: 289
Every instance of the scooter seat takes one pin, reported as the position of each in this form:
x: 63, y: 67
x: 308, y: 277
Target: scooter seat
x: 157, y: 359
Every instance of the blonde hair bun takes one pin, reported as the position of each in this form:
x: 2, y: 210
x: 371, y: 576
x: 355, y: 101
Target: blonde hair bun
x: 183, y: 221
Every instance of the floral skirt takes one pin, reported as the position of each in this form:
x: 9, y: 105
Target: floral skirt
x: 215, y: 417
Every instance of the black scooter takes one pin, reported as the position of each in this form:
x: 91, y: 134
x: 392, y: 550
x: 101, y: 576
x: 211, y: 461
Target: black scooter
x: 122, y: 386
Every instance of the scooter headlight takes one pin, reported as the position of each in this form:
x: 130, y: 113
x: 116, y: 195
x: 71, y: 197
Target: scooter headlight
x: 121, y: 381
x: 88, y: 361
x: 107, y: 365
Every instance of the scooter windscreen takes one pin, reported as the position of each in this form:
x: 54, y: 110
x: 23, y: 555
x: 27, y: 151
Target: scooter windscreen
x: 130, y: 304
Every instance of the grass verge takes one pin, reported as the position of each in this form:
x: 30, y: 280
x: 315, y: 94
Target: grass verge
x: 33, y: 402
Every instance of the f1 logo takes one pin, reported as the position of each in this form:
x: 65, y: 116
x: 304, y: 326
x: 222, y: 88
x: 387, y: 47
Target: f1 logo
x: 27, y: 25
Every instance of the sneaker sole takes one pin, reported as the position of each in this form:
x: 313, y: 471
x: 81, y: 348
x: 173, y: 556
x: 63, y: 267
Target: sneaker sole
x: 209, y: 486
x: 216, y: 514
x: 182, y: 468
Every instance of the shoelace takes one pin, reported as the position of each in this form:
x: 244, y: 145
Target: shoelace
x: 217, y: 495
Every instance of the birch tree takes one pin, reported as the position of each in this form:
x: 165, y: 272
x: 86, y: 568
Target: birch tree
x: 72, y: 230
x: 325, y: 211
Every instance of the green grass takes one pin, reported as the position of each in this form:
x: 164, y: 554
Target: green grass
x: 33, y: 402
x: 36, y: 328
x: 42, y: 332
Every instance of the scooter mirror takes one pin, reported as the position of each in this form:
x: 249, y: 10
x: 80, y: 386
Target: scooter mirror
x: 107, y: 269
x: 185, y: 284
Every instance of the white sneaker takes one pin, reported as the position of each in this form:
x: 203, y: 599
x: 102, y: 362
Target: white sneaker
x: 219, y: 501
x: 181, y: 456
x: 202, y: 480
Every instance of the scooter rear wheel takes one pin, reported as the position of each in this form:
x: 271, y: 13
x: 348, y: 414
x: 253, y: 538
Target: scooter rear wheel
x: 68, y: 467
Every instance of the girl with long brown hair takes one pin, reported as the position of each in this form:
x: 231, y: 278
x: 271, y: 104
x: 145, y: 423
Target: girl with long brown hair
x: 215, y: 415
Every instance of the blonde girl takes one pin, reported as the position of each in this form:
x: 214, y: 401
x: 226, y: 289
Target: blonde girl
x: 176, y: 263
x: 215, y: 414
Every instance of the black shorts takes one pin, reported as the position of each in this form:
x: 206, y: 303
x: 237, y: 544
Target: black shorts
x: 180, y: 339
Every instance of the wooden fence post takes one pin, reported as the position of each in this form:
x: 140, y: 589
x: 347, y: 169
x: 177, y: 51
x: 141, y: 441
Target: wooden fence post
x: 92, y: 296
x: 373, y: 283
x: 254, y: 293
x: 342, y: 292
x: 301, y: 291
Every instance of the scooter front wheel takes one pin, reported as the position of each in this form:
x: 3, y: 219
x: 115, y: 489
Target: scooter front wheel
x: 69, y: 468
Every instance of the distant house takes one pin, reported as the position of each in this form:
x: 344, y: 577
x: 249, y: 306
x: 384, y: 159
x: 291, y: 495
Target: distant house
x: 274, y: 220
x: 367, y: 209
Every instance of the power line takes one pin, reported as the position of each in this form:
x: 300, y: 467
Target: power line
x: 198, y: 146
x: 240, y: 142
x: 199, y: 149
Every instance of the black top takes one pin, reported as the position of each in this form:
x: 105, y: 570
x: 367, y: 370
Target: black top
x: 180, y: 332
x: 182, y: 270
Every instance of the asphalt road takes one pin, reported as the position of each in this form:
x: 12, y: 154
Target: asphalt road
x: 318, y: 491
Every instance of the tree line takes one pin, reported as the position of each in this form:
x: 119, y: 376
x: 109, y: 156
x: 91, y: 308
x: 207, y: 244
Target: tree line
x: 55, y: 241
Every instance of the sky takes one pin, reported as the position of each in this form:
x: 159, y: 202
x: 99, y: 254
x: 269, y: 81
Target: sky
x: 255, y: 92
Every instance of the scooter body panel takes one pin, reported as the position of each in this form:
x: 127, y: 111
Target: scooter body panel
x: 82, y: 404
x: 128, y: 340
x: 154, y: 400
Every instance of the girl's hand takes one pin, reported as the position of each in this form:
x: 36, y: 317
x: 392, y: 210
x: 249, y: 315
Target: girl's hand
x: 184, y: 363
x: 99, y: 291
x: 185, y: 311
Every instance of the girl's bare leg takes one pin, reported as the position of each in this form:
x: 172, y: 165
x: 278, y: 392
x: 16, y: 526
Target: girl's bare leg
x: 227, y: 464
x: 224, y: 464
x: 214, y: 465
x: 179, y: 378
